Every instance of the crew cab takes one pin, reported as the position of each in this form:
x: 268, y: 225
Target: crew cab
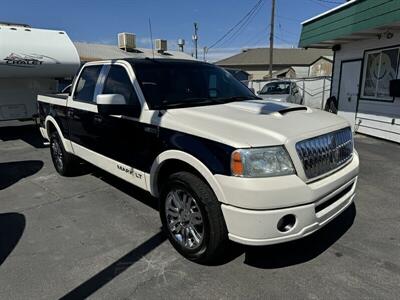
x: 223, y: 163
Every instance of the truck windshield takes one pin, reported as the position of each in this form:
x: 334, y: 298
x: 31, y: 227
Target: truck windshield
x: 276, y: 88
x: 169, y: 84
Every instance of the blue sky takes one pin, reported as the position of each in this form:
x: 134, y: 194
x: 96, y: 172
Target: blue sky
x: 100, y: 21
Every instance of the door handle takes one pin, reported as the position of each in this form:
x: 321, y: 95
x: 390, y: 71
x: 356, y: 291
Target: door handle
x: 70, y: 113
x: 98, y: 119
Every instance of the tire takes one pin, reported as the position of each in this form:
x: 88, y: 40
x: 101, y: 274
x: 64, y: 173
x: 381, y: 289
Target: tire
x: 182, y: 226
x: 331, y: 107
x: 64, y: 162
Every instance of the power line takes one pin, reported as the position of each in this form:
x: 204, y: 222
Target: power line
x: 289, y: 19
x: 320, y: 3
x: 243, y: 26
x: 283, y: 40
x: 329, y: 1
x: 254, y: 8
x: 281, y: 28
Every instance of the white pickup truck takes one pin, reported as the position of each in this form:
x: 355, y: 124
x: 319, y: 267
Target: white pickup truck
x: 223, y: 163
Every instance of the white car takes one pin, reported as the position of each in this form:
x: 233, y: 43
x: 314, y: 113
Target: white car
x: 282, y: 91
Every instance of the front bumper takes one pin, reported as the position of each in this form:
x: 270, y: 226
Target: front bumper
x: 265, y: 202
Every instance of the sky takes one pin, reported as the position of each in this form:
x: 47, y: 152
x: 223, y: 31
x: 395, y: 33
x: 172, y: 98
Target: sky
x: 100, y: 21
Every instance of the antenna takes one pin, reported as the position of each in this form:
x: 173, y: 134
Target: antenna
x: 151, y: 38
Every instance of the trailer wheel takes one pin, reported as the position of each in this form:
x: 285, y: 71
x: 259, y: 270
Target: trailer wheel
x: 64, y: 162
x: 192, y: 218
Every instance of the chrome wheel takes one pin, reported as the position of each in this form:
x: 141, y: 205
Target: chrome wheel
x: 184, y: 219
x: 57, y: 154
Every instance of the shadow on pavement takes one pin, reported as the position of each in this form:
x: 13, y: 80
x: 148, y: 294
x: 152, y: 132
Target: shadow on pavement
x: 28, y: 133
x: 126, y: 187
x: 94, y: 283
x: 268, y: 257
x: 12, y: 172
x: 106, y: 275
x: 303, y: 250
x: 12, y: 226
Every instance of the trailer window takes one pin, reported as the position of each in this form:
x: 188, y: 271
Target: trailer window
x: 118, y: 82
x: 87, y: 83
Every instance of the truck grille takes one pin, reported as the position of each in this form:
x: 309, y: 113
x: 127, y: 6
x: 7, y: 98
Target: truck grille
x: 325, y: 153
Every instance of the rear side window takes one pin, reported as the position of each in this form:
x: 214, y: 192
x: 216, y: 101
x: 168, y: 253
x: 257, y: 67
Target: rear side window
x: 87, y: 83
x: 118, y: 82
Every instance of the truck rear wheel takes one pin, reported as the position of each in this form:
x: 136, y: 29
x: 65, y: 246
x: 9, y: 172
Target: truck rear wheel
x: 192, y: 218
x: 64, y: 163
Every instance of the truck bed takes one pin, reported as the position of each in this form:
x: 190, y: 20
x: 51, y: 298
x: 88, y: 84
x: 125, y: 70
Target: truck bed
x: 57, y: 99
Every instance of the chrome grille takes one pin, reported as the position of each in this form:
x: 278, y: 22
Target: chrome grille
x: 324, y: 153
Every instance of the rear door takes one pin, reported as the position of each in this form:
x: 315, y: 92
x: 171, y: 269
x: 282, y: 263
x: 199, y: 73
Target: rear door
x: 83, y: 118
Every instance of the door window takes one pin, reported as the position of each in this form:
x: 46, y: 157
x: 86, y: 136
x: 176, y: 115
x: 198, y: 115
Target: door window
x: 86, y: 85
x: 118, y: 82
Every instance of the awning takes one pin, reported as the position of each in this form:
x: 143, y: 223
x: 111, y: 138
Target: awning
x: 349, y: 22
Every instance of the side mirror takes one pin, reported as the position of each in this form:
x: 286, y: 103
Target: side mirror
x: 115, y: 104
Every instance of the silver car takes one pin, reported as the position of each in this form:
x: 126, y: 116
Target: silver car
x: 283, y: 91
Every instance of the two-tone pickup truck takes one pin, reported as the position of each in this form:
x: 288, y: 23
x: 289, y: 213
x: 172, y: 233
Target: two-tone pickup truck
x: 223, y: 163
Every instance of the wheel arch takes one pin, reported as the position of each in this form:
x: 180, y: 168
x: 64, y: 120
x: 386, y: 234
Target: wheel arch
x: 51, y: 125
x: 180, y: 160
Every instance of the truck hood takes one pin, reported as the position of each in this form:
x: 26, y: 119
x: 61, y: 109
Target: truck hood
x: 252, y: 123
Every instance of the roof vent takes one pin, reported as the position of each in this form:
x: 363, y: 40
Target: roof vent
x: 126, y: 41
x: 14, y: 24
x: 161, y: 45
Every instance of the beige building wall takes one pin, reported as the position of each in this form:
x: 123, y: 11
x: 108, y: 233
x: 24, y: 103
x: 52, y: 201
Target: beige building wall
x: 321, y: 67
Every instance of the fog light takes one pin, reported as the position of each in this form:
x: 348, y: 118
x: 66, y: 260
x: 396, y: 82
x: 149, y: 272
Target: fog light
x: 286, y: 223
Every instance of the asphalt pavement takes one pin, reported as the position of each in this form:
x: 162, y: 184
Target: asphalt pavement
x: 95, y: 236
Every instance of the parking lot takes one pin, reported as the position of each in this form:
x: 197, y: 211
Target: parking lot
x: 95, y: 236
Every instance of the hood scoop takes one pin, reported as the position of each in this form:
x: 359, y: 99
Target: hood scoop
x: 290, y: 109
x: 273, y: 107
x: 267, y: 107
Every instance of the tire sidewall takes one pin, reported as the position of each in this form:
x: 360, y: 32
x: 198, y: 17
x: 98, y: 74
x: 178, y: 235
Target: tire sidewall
x: 177, y: 183
x: 55, y: 138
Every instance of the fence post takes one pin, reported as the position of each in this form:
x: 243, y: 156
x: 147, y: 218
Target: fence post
x: 323, y: 95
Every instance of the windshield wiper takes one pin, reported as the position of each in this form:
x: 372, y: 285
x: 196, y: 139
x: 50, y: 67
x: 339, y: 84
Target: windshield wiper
x: 189, y: 102
x: 239, y: 98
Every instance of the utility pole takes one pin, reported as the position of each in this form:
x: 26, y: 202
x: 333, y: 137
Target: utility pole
x: 271, y: 39
x: 195, y: 38
x: 204, y: 53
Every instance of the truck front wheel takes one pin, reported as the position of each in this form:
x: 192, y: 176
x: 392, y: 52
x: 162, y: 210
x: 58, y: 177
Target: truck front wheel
x: 192, y: 218
x: 64, y: 163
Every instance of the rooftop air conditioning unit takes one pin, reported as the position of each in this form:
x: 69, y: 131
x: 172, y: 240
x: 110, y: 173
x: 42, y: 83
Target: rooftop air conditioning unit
x: 161, y: 45
x: 126, y: 41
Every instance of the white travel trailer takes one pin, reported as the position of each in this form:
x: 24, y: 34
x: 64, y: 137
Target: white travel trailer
x: 32, y: 61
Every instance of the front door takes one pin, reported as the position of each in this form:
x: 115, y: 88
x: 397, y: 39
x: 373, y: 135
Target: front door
x: 348, y: 90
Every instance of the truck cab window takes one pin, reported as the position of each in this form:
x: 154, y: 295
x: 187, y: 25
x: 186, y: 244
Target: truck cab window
x: 84, y: 91
x: 118, y: 82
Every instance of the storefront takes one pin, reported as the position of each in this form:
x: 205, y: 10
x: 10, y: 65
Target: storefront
x: 365, y: 37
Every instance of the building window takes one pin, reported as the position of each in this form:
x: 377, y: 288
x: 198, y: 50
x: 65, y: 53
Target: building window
x: 380, y: 67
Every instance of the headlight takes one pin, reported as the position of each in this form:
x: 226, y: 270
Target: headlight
x: 261, y: 162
